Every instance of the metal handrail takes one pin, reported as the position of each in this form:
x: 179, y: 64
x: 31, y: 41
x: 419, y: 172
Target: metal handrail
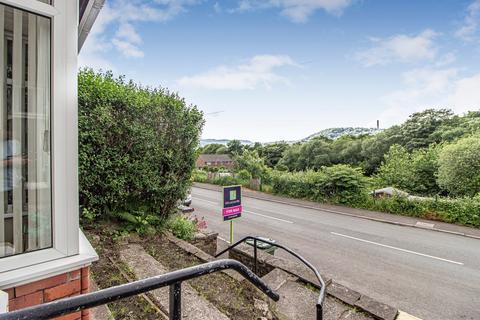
x: 172, y: 279
x: 321, y: 297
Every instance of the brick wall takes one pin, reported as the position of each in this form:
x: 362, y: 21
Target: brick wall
x: 60, y: 286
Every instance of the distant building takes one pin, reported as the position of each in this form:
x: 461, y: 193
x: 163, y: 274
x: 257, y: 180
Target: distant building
x: 389, y: 192
x: 215, y: 161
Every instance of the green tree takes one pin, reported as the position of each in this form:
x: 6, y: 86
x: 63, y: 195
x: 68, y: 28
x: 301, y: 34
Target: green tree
x: 418, y: 131
x: 211, y: 148
x: 459, y: 167
x: 413, y: 172
x: 222, y: 150
x: 272, y: 153
x: 252, y: 163
x: 234, y: 147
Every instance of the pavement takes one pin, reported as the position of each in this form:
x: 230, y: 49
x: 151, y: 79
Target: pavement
x: 429, y: 274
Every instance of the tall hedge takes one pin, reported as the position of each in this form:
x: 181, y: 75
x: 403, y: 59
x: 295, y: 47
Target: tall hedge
x: 136, y: 146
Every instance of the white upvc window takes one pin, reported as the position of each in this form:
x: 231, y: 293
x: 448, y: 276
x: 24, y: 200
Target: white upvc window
x: 38, y: 132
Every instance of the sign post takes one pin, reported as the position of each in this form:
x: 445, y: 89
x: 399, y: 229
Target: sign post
x: 232, y: 205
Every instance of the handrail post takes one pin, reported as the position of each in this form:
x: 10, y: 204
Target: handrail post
x: 319, y: 312
x: 255, y: 267
x: 175, y: 310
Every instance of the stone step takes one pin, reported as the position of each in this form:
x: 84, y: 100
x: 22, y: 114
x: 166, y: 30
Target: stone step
x: 144, y: 266
x: 101, y: 312
x: 298, y: 302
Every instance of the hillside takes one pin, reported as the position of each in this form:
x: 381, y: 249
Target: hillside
x: 335, y: 133
x: 204, y: 142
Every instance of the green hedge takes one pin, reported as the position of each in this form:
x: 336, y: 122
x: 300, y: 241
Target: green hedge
x: 136, y: 146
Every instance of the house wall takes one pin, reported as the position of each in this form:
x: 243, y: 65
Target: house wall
x: 50, y: 289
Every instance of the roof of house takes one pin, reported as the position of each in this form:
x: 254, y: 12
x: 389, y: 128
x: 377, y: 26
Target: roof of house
x: 215, y: 157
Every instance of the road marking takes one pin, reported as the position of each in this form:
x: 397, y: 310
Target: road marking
x: 246, y: 211
x: 265, y: 216
x: 212, y: 202
x: 395, y: 248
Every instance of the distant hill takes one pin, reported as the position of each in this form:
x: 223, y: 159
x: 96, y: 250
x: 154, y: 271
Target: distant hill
x: 335, y: 133
x: 204, y: 142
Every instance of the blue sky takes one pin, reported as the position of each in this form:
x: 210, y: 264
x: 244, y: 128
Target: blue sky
x: 268, y: 70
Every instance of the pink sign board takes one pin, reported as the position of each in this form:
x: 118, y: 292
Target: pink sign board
x: 232, y: 211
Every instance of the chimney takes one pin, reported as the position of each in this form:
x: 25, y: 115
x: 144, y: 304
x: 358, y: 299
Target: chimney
x: 378, y: 124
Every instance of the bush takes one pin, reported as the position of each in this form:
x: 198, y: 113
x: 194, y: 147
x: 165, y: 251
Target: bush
x: 464, y: 211
x: 244, y: 175
x: 136, y: 147
x: 182, y: 227
x: 337, y: 184
x: 459, y: 167
x: 199, y: 175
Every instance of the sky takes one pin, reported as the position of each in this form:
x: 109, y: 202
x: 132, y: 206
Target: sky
x: 270, y: 70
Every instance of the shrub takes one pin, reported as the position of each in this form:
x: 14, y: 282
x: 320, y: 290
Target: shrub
x: 182, y: 227
x: 459, y: 167
x: 338, y: 184
x: 136, y: 147
x: 244, y: 175
x: 199, y: 175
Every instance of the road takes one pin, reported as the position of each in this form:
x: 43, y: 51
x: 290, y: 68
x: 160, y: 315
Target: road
x: 429, y: 274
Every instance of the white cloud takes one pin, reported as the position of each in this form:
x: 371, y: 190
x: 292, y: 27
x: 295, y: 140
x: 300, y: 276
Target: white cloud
x: 470, y: 25
x: 296, y: 10
x: 402, y: 48
x: 258, y: 71
x: 123, y: 15
x: 466, y: 94
x: 432, y: 88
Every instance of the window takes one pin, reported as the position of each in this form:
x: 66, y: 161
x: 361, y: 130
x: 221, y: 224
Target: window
x: 25, y: 169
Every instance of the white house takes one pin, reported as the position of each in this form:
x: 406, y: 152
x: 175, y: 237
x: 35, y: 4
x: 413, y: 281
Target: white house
x: 43, y: 254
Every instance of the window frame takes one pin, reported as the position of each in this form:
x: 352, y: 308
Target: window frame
x: 63, y: 135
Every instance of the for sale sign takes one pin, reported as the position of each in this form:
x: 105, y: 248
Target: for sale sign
x: 232, y: 202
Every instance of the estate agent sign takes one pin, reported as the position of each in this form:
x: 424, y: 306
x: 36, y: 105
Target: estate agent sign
x: 232, y: 205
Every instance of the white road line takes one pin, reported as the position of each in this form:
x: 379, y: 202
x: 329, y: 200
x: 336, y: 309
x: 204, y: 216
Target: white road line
x: 247, y: 211
x: 212, y: 202
x: 265, y: 216
x: 395, y: 248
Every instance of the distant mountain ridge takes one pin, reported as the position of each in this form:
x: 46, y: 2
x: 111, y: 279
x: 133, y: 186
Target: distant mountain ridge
x: 204, y: 142
x: 335, y: 133
x: 330, y: 133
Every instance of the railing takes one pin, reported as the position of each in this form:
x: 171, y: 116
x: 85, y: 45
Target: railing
x: 173, y: 279
x: 321, y: 297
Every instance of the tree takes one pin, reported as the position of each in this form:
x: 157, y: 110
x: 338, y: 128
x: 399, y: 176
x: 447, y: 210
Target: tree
x: 375, y: 147
x: 417, y: 131
x: 414, y: 172
x: 234, y: 147
x: 252, y: 163
x: 459, y: 167
x: 222, y: 150
x: 211, y: 148
x: 272, y: 153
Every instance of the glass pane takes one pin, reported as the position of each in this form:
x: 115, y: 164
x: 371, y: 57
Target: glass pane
x: 25, y: 187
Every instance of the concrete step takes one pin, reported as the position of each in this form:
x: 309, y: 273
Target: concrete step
x: 144, y: 266
x: 102, y: 312
x: 297, y: 301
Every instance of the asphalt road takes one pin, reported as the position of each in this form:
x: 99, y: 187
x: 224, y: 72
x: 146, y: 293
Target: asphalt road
x: 428, y: 274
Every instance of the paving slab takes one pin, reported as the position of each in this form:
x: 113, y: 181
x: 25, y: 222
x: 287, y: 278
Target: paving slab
x: 144, y: 266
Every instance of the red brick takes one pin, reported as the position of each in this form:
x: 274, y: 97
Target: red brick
x: 40, y: 285
x: 74, y: 275
x: 25, y: 301
x: 86, y: 283
x: 71, y: 316
x: 87, y: 316
x: 85, y: 272
x: 10, y: 292
x: 63, y: 290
